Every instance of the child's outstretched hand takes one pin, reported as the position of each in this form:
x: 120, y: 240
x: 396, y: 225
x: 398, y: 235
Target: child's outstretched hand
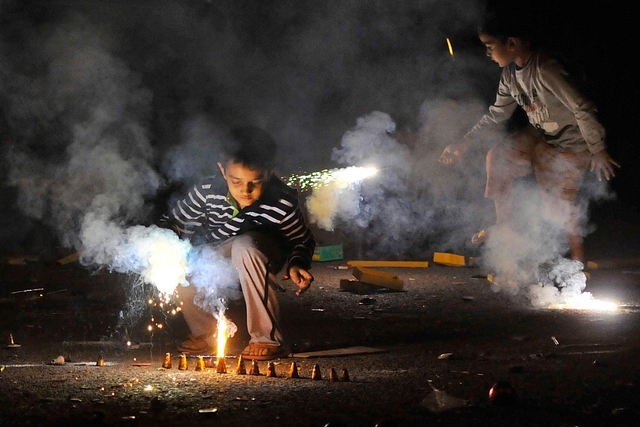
x: 301, y: 277
x: 452, y: 152
x: 603, y: 165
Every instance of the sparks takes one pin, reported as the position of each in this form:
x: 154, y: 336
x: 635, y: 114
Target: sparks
x: 167, y: 265
x: 450, y: 47
x: 222, y: 334
x: 585, y: 302
x: 342, y: 177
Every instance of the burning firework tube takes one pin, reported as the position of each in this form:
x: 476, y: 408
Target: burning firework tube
x: 183, y: 363
x: 333, y: 375
x: 255, y: 370
x: 241, y: 369
x: 200, y: 364
x: 315, y: 372
x: 293, y: 371
x: 167, y: 361
x: 271, y: 370
x: 345, y: 375
x: 221, y: 366
x: 100, y: 361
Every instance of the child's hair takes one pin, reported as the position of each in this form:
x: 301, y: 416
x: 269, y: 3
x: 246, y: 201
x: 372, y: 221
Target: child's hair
x: 251, y: 147
x: 505, y: 25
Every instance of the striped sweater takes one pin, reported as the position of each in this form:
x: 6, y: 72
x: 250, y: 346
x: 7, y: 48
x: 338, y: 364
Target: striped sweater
x: 205, y: 212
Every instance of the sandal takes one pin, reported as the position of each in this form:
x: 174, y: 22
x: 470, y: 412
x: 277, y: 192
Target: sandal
x: 195, y: 345
x: 257, y: 351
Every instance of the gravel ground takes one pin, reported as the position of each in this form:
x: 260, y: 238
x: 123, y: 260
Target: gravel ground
x: 442, y: 343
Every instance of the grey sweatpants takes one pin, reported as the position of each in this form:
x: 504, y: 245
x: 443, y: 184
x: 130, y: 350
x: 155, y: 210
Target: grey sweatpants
x: 256, y: 257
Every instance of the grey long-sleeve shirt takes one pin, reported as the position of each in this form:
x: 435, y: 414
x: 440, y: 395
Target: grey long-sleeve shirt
x: 554, y: 105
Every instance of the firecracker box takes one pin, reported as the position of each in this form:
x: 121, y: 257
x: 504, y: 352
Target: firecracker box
x: 328, y: 253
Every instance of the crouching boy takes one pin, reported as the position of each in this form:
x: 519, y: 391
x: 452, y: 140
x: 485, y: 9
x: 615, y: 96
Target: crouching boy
x: 256, y: 223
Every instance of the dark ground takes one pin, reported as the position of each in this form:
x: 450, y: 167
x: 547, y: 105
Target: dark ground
x: 589, y: 378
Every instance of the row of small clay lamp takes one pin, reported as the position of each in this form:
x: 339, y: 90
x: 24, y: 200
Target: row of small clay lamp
x: 255, y: 370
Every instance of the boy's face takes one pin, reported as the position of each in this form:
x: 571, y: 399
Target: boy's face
x: 245, y: 185
x: 500, y: 52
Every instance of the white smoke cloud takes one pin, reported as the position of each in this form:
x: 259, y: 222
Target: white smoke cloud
x: 89, y: 171
x: 108, y: 103
x: 370, y: 143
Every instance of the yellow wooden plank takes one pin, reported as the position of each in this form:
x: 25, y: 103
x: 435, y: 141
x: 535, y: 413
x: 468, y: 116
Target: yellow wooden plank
x: 346, y: 351
x: 448, y: 259
x: 69, y: 258
x: 613, y: 263
x: 357, y: 287
x: 378, y: 278
x: 401, y: 264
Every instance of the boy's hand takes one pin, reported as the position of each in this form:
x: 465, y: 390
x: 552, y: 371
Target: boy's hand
x: 452, y: 152
x: 603, y: 165
x: 301, y: 277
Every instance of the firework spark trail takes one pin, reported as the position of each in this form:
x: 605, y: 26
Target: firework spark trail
x: 161, y: 259
x: 341, y: 177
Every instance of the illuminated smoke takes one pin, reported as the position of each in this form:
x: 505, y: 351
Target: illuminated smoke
x: 339, y: 178
x: 331, y: 192
x: 84, y: 163
x: 100, y: 97
x: 337, y: 194
x: 561, y: 285
x: 156, y: 254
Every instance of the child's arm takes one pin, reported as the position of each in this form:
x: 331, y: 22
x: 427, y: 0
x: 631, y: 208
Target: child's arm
x: 499, y: 112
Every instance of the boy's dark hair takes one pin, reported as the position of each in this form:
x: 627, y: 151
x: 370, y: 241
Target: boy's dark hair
x: 251, y: 147
x: 503, y: 25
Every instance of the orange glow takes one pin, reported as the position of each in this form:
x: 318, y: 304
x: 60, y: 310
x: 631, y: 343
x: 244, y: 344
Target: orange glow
x: 222, y: 334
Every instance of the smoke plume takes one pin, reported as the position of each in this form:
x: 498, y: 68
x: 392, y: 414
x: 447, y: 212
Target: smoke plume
x: 109, y: 106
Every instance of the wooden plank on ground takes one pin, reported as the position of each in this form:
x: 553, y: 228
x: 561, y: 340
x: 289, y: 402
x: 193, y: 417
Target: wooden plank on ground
x: 378, y: 278
x: 613, y: 263
x: 400, y: 264
x: 345, y: 351
x: 357, y: 287
x: 454, y: 260
x: 69, y: 258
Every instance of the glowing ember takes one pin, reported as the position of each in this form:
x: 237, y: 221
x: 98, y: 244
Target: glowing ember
x: 450, y: 47
x: 341, y: 177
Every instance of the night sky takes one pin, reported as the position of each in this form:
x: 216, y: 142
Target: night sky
x: 125, y: 99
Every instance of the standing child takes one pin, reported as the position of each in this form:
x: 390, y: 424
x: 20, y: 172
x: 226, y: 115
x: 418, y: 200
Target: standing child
x: 562, y: 141
x: 257, y: 224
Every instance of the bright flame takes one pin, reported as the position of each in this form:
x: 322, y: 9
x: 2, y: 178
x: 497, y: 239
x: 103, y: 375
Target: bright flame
x: 450, y: 47
x: 341, y: 177
x: 585, y: 302
x: 167, y: 265
x: 223, y: 331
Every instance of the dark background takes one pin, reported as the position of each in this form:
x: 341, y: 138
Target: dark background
x: 304, y: 71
